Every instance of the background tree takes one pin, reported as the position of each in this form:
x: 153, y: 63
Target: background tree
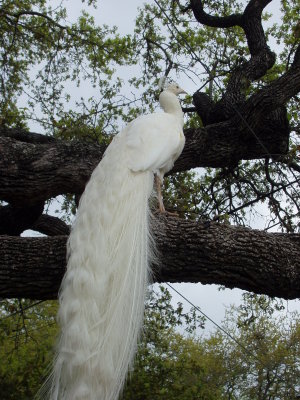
x: 262, y: 362
x: 27, y: 337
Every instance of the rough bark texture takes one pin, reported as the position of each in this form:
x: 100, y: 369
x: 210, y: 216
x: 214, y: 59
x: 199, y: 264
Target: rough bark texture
x: 31, y: 267
x: 231, y: 256
x: 31, y: 172
x: 50, y: 226
x: 190, y: 252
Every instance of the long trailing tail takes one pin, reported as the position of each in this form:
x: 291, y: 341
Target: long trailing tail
x: 103, y: 292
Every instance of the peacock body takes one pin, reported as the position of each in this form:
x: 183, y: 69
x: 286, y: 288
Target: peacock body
x: 109, y: 253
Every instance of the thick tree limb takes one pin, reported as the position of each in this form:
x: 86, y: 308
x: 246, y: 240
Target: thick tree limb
x: 235, y: 140
x: 190, y: 252
x: 51, y: 226
x: 213, y: 21
x: 272, y: 96
x: 262, y: 58
x: 34, y: 172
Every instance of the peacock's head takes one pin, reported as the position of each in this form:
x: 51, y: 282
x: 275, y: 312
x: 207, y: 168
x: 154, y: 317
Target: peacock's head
x: 174, y: 88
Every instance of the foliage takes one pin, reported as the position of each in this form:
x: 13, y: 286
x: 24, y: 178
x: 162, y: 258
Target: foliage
x: 27, y: 336
x: 263, y: 363
x: 41, y: 55
x: 267, y: 366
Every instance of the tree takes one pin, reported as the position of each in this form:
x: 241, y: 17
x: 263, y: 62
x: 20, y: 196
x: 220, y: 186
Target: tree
x: 27, y: 337
x: 261, y: 363
x: 243, y: 128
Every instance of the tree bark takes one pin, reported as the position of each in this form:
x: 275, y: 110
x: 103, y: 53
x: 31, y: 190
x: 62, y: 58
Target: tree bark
x: 32, y: 172
x: 256, y: 261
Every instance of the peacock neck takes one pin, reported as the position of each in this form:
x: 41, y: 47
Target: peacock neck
x: 170, y: 104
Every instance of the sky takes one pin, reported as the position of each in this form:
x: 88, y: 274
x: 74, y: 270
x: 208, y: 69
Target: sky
x: 209, y: 298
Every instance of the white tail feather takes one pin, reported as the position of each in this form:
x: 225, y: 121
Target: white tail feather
x: 110, y: 248
x: 103, y: 291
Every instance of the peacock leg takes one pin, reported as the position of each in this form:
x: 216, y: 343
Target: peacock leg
x: 158, y: 184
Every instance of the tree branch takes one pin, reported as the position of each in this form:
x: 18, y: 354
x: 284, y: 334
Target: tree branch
x: 50, y: 226
x: 209, y: 20
x: 269, y: 98
x: 36, y: 14
x: 232, y: 256
x: 33, y: 171
x: 262, y: 58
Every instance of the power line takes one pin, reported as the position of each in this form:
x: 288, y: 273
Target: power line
x: 215, y: 323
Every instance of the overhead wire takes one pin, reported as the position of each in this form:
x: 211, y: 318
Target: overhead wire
x: 233, y: 338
